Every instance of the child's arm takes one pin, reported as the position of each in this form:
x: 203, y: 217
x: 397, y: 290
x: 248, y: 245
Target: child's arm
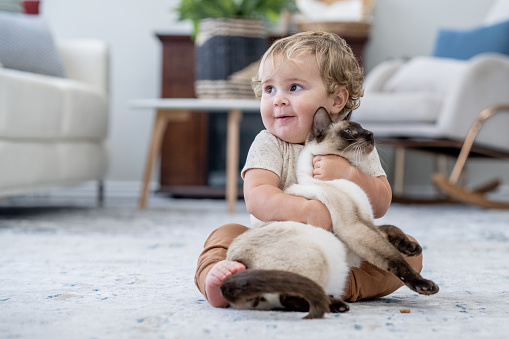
x: 267, y: 202
x: 378, y: 189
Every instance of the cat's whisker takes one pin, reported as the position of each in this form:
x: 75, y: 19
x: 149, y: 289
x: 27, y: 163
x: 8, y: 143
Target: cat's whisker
x: 383, y: 154
x: 360, y: 153
x: 380, y: 149
x: 382, y: 161
x: 347, y: 147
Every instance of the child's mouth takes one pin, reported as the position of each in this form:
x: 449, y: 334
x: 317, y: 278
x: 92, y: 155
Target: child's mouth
x: 284, y: 117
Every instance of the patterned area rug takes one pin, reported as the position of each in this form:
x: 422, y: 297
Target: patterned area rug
x: 118, y: 272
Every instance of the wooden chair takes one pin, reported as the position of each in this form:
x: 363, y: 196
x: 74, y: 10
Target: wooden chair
x: 450, y: 188
x: 432, y: 103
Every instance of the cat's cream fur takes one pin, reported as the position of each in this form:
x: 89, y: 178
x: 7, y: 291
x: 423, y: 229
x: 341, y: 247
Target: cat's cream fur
x: 313, y: 252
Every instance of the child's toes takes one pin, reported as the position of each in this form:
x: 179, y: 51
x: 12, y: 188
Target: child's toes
x: 215, y: 278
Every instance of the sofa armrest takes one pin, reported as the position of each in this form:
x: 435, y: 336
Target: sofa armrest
x: 484, y: 83
x: 41, y: 107
x: 378, y: 76
x: 87, y: 61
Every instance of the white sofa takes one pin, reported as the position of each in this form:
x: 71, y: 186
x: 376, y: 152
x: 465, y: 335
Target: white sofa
x: 53, y: 130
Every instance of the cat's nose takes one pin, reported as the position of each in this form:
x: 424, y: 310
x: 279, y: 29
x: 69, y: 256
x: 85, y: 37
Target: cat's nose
x: 370, y: 135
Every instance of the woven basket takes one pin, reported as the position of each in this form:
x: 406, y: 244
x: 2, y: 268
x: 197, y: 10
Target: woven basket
x: 223, y: 48
x: 350, y: 29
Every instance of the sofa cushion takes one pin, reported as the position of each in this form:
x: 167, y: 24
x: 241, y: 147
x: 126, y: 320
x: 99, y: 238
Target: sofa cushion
x: 36, y: 164
x: 11, y: 6
x: 467, y: 44
x: 34, y: 106
x: 426, y: 74
x: 379, y: 107
x: 26, y: 44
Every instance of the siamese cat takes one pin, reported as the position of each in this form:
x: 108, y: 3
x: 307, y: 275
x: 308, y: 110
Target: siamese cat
x: 304, y: 268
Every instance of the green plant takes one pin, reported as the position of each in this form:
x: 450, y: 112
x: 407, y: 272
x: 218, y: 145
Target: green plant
x: 195, y: 10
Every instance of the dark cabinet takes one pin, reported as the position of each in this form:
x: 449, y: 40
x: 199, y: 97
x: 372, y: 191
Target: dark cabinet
x: 185, y: 149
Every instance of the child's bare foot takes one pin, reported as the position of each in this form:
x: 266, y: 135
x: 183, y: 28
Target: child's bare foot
x: 215, y: 277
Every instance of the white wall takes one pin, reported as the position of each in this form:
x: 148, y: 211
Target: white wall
x: 406, y: 28
x: 129, y: 26
x: 401, y: 28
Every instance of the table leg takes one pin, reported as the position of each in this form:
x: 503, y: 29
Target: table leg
x: 162, y: 118
x: 153, y: 151
x: 232, y: 157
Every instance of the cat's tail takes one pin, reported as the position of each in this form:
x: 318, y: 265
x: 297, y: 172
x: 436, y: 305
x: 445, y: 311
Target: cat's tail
x: 252, y: 284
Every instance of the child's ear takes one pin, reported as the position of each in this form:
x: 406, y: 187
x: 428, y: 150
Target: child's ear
x: 340, y: 99
x: 321, y: 123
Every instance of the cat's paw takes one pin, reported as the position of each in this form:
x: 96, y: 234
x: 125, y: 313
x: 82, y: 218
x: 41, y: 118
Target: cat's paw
x: 408, y: 247
x: 338, y: 306
x: 400, y: 240
x: 424, y: 286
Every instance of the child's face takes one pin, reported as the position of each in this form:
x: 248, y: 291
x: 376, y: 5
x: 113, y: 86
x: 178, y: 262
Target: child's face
x: 291, y: 94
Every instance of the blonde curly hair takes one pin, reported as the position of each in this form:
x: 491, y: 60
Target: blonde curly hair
x: 336, y: 62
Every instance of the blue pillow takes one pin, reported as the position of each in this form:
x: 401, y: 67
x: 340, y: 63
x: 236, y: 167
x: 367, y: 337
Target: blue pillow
x: 467, y: 44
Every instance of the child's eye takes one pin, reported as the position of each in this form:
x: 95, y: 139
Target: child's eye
x: 295, y: 87
x: 269, y: 89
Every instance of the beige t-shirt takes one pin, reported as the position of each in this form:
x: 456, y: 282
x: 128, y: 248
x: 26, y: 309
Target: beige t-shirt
x: 271, y: 153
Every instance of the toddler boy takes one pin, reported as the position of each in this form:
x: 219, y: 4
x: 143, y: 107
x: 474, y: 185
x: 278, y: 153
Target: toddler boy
x: 297, y: 75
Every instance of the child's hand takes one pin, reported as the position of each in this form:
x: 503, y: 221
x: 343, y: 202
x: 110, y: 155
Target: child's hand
x: 378, y: 189
x: 330, y: 167
x: 318, y: 215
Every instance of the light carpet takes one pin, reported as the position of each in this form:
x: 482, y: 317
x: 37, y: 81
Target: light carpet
x: 118, y: 272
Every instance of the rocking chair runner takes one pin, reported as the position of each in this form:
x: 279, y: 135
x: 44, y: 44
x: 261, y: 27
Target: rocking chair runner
x: 450, y: 186
x: 451, y: 189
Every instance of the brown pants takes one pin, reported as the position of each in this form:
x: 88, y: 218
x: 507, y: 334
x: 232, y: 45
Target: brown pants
x: 364, y: 282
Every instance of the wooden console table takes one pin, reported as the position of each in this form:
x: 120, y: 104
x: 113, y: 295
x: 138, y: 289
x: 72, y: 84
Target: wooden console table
x: 180, y: 109
x: 184, y: 166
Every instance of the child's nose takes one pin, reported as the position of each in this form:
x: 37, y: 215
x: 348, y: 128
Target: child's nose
x: 280, y: 100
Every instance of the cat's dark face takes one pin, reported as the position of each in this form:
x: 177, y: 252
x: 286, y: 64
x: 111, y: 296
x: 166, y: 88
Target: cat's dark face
x: 344, y: 135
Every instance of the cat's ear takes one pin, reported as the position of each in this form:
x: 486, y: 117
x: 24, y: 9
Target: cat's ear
x: 348, y: 116
x: 321, y: 123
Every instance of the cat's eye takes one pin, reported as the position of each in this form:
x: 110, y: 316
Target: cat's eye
x: 347, y: 130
